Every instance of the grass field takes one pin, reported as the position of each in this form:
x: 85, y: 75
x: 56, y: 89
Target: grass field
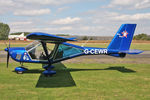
x: 78, y: 81
x: 84, y: 80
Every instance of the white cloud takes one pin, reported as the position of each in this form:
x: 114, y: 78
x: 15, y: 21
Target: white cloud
x: 124, y: 4
x: 111, y: 21
x: 20, y: 23
x: 19, y: 7
x: 49, y: 2
x: 46, y: 29
x: 96, y: 21
x: 6, y: 6
x: 64, y: 28
x: 90, y: 28
x: 143, y: 4
x: 67, y: 20
x: 62, y: 9
x: 139, y: 16
x: 6, y: 3
x: 35, y: 12
x: 130, y: 4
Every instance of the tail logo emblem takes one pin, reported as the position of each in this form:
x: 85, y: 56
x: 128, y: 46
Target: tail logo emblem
x: 125, y: 33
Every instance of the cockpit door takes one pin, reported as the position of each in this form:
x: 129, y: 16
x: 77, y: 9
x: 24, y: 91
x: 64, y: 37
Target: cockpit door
x: 64, y: 51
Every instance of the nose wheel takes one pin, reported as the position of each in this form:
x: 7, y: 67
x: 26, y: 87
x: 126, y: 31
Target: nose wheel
x: 20, y: 70
x: 48, y: 72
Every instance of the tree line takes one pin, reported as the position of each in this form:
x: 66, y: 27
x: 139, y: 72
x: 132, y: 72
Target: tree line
x: 141, y: 36
x: 4, y: 32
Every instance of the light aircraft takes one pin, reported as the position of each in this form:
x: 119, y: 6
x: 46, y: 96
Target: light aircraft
x: 49, y: 49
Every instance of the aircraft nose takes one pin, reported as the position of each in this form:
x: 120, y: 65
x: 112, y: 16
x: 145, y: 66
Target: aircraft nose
x: 6, y: 49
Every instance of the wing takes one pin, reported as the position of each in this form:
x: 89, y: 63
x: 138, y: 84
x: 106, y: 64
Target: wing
x: 47, y: 37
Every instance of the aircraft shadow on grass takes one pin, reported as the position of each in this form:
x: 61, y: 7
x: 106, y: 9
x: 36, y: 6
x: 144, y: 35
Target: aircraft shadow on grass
x: 63, y: 77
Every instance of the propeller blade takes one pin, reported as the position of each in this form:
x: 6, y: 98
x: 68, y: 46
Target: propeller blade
x: 7, y: 58
x: 9, y: 43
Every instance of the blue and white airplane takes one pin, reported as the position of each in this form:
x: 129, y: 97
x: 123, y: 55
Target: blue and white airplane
x: 49, y: 49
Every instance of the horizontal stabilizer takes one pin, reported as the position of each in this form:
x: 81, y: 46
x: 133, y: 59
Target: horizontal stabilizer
x: 132, y: 51
x: 122, y: 53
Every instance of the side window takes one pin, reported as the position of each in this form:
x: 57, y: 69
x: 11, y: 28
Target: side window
x: 36, y: 51
x: 65, y: 51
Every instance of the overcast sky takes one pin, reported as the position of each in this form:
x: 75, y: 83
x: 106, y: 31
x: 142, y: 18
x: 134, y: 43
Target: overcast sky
x: 76, y: 17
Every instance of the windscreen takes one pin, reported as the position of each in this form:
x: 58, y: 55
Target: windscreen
x: 36, y: 51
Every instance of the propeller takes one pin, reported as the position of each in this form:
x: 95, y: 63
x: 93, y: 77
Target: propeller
x: 8, y: 54
x: 7, y: 57
x: 7, y: 50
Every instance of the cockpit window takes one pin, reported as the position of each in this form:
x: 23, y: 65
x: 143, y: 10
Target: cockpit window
x: 33, y: 44
x: 65, y: 51
x: 36, y: 51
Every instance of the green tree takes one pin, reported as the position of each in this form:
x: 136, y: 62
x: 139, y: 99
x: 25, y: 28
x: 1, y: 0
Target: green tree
x: 142, y: 36
x: 4, y: 31
x: 85, y: 38
x: 91, y: 38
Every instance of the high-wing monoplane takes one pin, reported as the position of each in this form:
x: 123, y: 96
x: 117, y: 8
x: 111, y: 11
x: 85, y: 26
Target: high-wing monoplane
x: 49, y: 49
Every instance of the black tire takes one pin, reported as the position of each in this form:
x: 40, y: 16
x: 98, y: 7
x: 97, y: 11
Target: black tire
x: 51, y: 75
x: 19, y: 72
x: 46, y: 75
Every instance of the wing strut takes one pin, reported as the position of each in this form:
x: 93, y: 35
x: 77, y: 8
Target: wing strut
x: 46, y: 52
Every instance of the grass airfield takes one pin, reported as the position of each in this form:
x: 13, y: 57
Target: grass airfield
x: 84, y: 78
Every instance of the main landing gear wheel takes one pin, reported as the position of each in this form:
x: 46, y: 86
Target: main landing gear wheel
x: 47, y: 73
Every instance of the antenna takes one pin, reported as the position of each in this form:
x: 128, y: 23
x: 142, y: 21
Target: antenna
x: 85, y: 42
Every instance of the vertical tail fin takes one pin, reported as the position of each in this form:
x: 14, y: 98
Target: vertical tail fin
x: 123, y: 38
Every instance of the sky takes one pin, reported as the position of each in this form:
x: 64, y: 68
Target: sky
x: 75, y: 17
